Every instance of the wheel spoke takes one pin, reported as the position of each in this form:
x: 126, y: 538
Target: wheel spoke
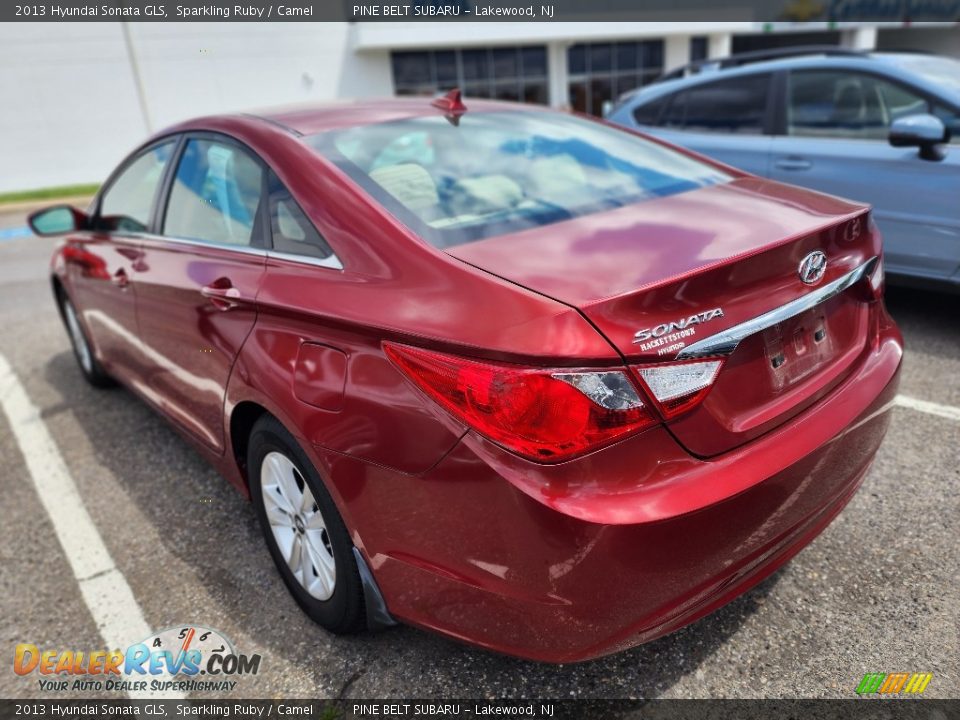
x: 288, y: 483
x: 272, y: 476
x: 314, y: 521
x: 276, y: 515
x: 306, y: 564
x: 285, y: 538
x: 295, y: 556
x: 322, y: 560
x: 306, y: 499
x: 320, y: 552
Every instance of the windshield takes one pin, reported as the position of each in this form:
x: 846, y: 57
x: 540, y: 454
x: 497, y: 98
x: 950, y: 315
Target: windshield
x: 939, y: 70
x: 499, y: 172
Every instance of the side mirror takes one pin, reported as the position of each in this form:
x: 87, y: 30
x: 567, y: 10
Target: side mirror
x: 923, y: 131
x: 58, y: 220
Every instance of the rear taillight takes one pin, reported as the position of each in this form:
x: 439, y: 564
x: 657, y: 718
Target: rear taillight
x: 678, y: 386
x: 546, y: 415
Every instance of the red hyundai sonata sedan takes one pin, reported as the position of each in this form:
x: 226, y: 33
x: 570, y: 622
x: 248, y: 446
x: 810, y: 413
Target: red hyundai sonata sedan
x: 522, y: 378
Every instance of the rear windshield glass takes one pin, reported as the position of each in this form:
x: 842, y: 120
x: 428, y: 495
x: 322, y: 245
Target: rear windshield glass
x: 500, y: 172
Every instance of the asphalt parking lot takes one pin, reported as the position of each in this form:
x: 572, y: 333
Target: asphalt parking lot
x: 878, y: 591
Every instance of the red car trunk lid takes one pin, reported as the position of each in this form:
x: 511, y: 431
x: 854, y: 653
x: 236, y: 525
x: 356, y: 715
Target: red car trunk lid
x: 657, y: 277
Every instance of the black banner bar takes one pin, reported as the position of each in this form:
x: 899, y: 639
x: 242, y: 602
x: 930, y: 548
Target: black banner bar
x: 854, y: 709
x: 828, y: 11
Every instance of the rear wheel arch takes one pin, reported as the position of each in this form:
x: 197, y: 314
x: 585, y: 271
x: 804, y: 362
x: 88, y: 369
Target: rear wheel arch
x: 246, y: 404
x: 242, y: 419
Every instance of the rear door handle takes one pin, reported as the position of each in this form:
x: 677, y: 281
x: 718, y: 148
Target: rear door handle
x: 222, y: 294
x: 120, y: 279
x: 793, y: 163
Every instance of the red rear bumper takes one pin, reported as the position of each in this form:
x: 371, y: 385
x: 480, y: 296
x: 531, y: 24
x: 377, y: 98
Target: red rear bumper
x: 569, y: 562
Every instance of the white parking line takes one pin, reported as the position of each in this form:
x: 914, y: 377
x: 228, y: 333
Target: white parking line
x: 931, y: 408
x: 104, y: 588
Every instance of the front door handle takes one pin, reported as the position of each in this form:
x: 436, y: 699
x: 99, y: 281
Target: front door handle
x: 793, y: 162
x: 222, y: 294
x: 120, y: 279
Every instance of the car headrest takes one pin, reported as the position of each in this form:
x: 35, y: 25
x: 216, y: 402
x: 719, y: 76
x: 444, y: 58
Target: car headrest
x: 488, y: 193
x: 850, y: 103
x: 409, y: 183
x: 557, y: 177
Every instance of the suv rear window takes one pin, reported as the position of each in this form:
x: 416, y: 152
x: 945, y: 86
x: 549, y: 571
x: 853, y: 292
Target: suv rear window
x: 649, y: 113
x: 736, y: 105
x: 500, y: 172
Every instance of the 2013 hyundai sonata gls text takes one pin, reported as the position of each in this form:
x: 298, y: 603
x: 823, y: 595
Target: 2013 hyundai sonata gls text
x: 525, y: 379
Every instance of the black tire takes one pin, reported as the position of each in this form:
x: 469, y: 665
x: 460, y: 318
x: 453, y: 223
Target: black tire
x: 344, y: 611
x: 83, y: 351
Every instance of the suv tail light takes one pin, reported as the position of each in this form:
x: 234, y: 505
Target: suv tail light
x: 546, y: 415
x: 678, y: 386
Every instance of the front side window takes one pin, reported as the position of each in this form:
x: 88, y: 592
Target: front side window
x: 951, y: 119
x: 500, y: 172
x: 127, y: 203
x: 216, y: 194
x: 737, y: 105
x: 839, y: 104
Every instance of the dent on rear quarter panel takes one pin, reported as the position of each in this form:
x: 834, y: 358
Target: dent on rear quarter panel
x: 378, y: 420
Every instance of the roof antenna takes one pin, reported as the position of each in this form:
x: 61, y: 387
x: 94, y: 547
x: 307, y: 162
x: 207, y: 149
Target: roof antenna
x: 452, y: 105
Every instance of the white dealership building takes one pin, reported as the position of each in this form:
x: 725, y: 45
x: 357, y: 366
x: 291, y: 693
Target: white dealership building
x: 78, y: 96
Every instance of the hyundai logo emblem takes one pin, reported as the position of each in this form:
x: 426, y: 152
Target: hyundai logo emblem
x: 812, y: 267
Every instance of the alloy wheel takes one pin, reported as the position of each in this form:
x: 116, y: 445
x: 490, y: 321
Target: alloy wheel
x: 298, y: 525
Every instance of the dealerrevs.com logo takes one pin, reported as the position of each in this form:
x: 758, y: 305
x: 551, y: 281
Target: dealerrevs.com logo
x: 171, y: 660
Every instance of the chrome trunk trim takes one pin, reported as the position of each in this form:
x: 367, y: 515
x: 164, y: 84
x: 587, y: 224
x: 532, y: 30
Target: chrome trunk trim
x: 725, y: 342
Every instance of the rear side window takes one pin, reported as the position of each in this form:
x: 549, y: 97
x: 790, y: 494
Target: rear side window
x: 127, y: 203
x: 493, y: 173
x: 291, y: 229
x: 216, y: 194
x: 735, y: 105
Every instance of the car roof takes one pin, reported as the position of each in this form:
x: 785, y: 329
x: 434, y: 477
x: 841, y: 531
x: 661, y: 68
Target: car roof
x: 312, y: 118
x: 885, y: 63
